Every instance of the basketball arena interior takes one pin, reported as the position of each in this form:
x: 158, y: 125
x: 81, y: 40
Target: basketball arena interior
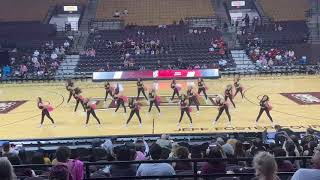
x: 160, y: 89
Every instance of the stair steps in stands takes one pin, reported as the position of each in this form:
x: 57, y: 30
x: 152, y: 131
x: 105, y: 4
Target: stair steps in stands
x: 241, y: 59
x: 68, y: 66
x: 89, y: 13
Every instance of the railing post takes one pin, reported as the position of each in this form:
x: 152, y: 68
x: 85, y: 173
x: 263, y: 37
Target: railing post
x: 195, y: 170
x: 304, y: 162
x: 87, y: 171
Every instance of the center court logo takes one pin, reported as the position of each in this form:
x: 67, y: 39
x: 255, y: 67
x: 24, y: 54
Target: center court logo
x: 305, y: 98
x: 7, y: 106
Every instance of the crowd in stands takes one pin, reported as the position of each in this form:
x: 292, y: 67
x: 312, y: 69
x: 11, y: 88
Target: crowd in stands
x: 89, y: 53
x: 155, y: 47
x: 42, y: 62
x: 267, y: 57
x: 118, y: 14
x: 219, y: 46
x: 66, y: 162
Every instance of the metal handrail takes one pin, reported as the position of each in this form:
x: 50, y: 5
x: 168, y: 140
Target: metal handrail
x: 194, y: 174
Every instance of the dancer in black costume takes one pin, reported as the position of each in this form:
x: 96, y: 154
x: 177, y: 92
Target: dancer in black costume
x: 238, y: 87
x: 174, y: 87
x: 133, y: 105
x: 119, y: 99
x: 228, y: 95
x: 69, y: 87
x: 184, y: 108
x: 44, y: 111
x: 90, y: 110
x: 222, y: 106
x: 192, y: 98
x: 264, y: 107
x: 153, y: 100
x: 108, y: 90
x: 77, y: 96
x: 202, y: 88
x: 140, y: 87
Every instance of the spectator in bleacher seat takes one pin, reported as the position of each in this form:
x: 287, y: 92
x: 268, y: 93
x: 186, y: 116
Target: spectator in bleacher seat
x: 291, y: 151
x: 108, y: 147
x: 204, y: 66
x: 295, y: 140
x: 116, y: 14
x: 213, y: 166
x: 36, y: 53
x: 239, y: 151
x: 291, y: 53
x: 23, y: 70
x: 265, y: 167
x: 283, y: 165
x: 34, y: 59
x: 155, y: 169
x: 123, y: 153
x: 53, y: 55
x: 59, y: 172
x: 182, y: 153
x: 38, y: 158
x: 303, y: 60
x: 308, y: 174
x: 55, y: 65
x: 75, y: 167
x: 228, y: 149
x: 165, y: 153
x: 66, y: 44
x: 142, y: 149
x: 125, y: 12
x: 196, y: 153
x: 309, y: 136
x: 15, y: 160
x: 8, y: 148
x: 164, y: 141
x: 256, y: 147
x: 173, y: 153
x: 6, y: 169
x: 109, y: 44
x: 310, y: 148
x: 6, y: 71
x: 181, y: 22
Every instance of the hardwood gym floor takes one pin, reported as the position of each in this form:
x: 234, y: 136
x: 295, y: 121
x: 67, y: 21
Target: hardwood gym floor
x: 299, y: 109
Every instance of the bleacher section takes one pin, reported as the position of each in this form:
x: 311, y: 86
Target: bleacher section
x: 154, y: 12
x: 28, y: 34
x: 22, y: 39
x: 285, y: 10
x: 176, y: 42
x: 291, y: 32
x: 17, y: 10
